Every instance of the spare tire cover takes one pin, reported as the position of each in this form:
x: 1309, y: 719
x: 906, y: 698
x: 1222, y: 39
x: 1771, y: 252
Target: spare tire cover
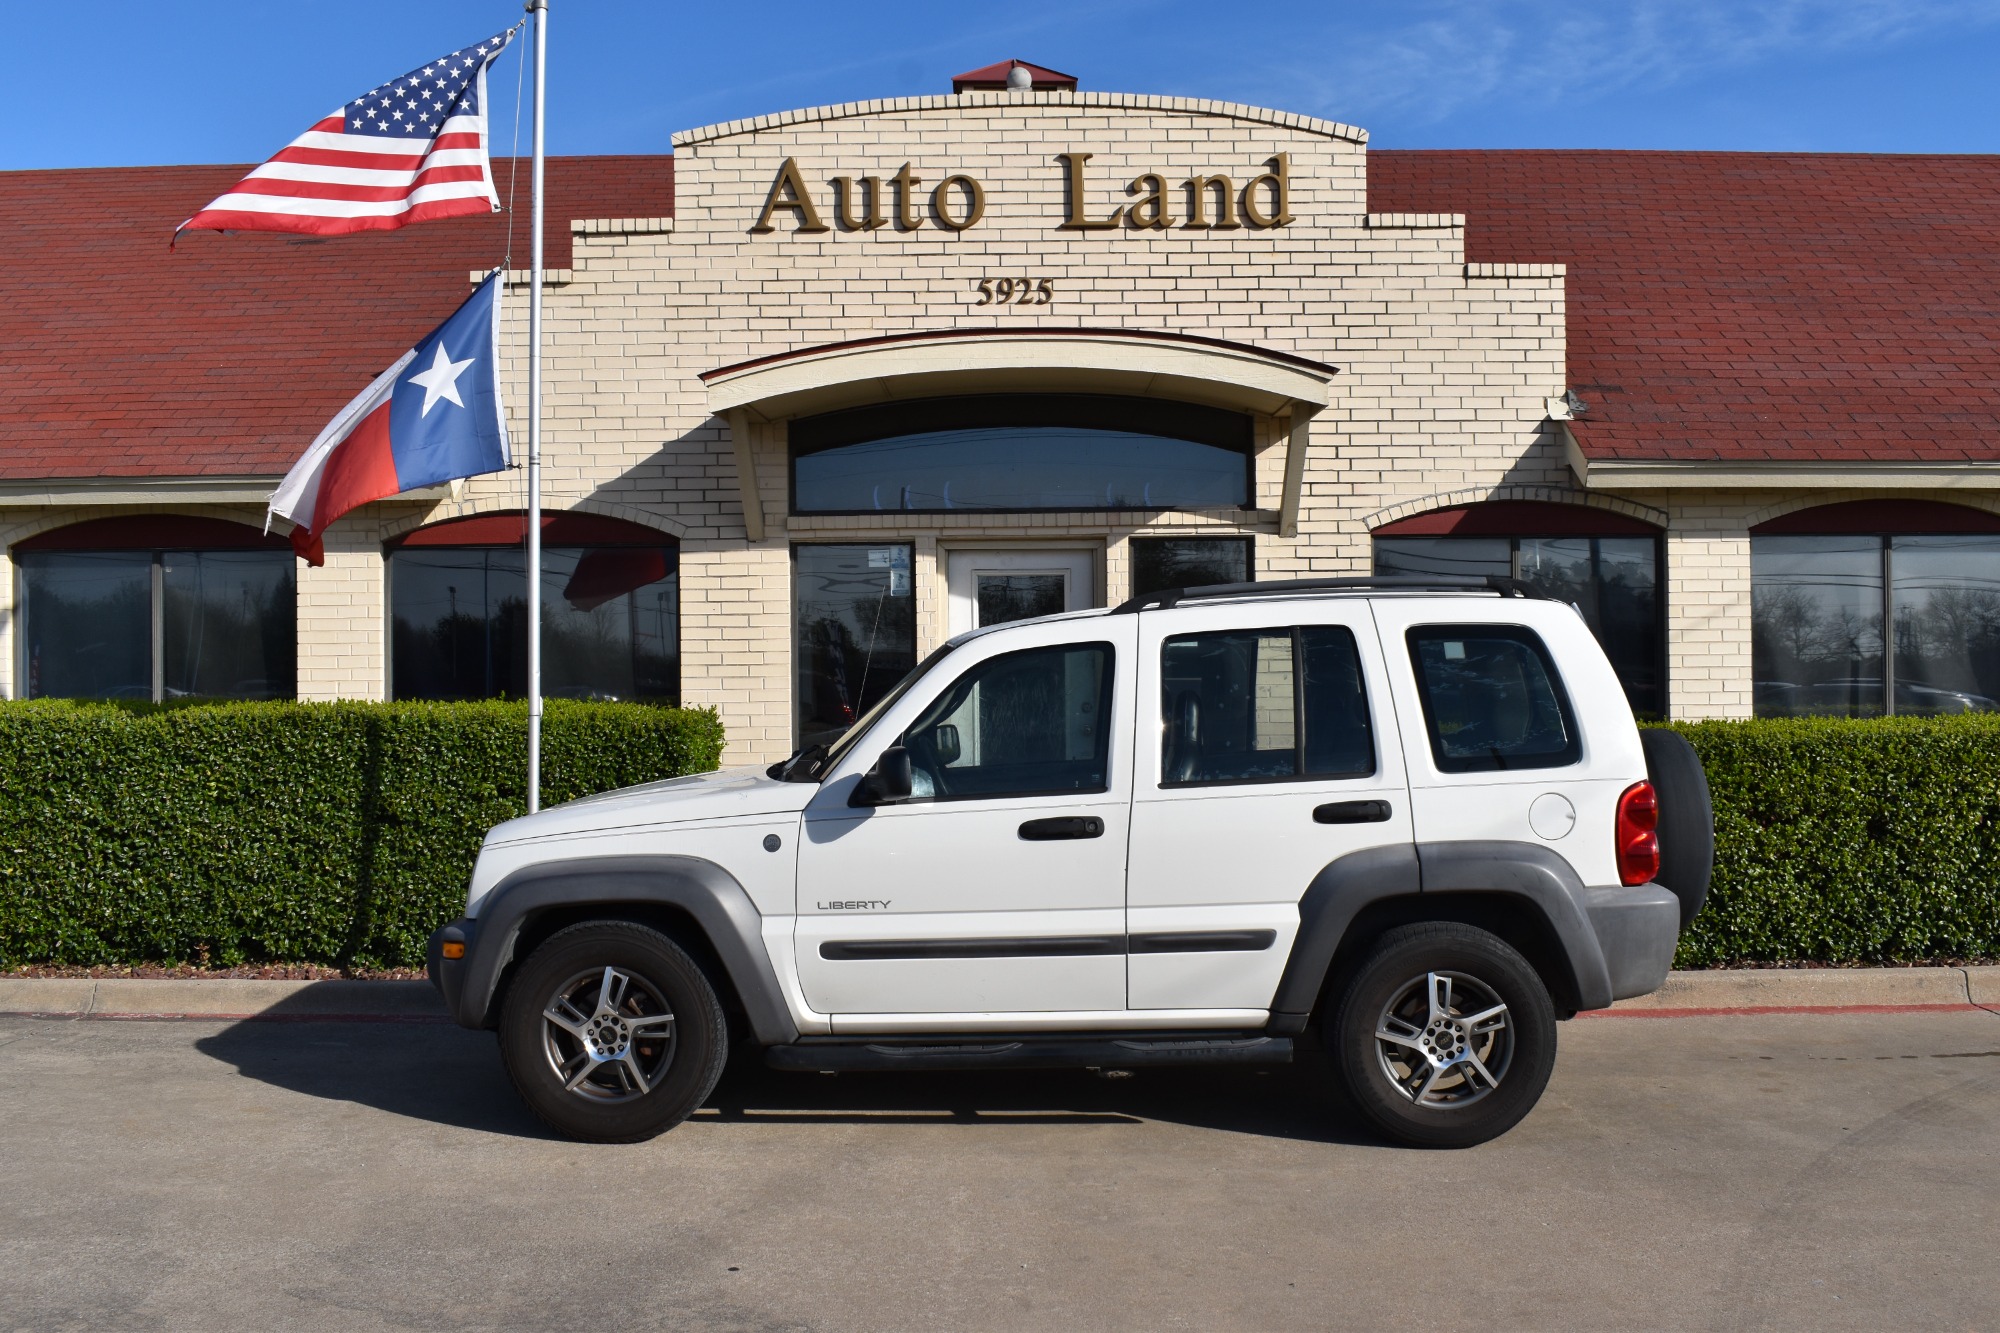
x: 1687, y: 818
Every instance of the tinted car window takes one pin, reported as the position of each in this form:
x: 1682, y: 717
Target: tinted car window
x: 1022, y: 724
x: 1492, y: 699
x: 1236, y: 707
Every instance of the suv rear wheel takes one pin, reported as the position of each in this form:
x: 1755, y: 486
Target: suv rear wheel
x: 1444, y: 1036
x: 611, y: 1033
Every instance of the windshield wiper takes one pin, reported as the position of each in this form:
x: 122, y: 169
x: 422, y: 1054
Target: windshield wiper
x: 801, y: 767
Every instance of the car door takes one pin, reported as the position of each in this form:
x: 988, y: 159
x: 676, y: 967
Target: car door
x: 999, y: 887
x: 1268, y: 749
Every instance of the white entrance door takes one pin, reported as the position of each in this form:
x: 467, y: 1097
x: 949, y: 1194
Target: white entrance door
x: 994, y: 587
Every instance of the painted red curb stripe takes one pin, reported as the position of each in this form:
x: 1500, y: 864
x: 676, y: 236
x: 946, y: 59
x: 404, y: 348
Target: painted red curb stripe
x: 1755, y: 1009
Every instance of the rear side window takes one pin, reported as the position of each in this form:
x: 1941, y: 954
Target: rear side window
x: 1492, y: 699
x: 1263, y: 705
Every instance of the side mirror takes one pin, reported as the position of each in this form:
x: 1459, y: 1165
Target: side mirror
x: 944, y: 740
x: 888, y: 782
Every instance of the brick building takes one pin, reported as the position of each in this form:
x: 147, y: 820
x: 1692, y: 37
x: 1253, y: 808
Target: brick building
x: 826, y: 387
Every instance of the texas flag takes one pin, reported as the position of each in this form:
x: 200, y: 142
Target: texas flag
x: 432, y: 417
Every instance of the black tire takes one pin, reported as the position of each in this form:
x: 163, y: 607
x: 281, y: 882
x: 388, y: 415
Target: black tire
x: 636, y: 1074
x: 1687, y: 817
x: 1460, y: 1107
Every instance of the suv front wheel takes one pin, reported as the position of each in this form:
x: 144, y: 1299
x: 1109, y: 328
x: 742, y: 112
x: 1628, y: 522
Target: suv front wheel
x: 1444, y: 1035
x: 611, y: 1033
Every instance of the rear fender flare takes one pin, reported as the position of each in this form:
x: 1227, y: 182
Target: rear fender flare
x: 702, y: 889
x: 1543, y: 878
x: 1347, y: 886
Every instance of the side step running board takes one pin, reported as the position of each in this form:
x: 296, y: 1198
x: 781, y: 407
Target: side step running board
x: 834, y: 1056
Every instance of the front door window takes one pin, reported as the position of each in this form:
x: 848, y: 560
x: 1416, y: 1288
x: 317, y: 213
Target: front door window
x: 998, y: 587
x: 1005, y: 597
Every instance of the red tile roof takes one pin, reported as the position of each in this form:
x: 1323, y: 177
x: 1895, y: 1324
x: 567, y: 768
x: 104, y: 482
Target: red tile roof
x: 1721, y: 305
x: 1797, y: 307
x: 227, y: 356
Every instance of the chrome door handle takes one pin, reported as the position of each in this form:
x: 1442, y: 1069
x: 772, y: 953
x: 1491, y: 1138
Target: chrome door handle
x: 1062, y: 826
x: 1352, y: 812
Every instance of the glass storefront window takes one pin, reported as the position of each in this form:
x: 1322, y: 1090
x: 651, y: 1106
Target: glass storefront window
x: 229, y: 624
x: 610, y: 623
x: 854, y: 627
x: 1947, y: 617
x: 1818, y: 606
x: 87, y: 624
x: 996, y: 453
x: 1612, y: 581
x: 1160, y: 564
x: 158, y: 624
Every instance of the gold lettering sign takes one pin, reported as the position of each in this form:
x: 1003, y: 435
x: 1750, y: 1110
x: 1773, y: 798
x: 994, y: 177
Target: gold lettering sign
x: 1211, y: 201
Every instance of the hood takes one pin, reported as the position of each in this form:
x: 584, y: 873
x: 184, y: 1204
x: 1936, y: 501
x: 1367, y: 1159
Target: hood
x: 732, y: 793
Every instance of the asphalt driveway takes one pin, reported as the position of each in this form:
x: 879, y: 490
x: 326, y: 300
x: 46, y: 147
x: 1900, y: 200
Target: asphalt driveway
x: 1825, y: 1171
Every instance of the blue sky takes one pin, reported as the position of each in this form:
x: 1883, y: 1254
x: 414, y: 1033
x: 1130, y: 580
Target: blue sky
x: 107, y: 82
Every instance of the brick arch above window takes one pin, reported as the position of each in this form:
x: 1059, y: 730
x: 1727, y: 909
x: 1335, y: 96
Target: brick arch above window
x: 1902, y: 518
x: 1518, y: 518
x: 510, y: 528
x: 154, y: 532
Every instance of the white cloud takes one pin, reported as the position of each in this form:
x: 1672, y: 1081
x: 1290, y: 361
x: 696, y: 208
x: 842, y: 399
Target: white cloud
x: 1461, y: 53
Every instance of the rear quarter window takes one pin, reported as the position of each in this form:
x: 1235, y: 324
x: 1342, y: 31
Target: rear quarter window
x: 1492, y: 699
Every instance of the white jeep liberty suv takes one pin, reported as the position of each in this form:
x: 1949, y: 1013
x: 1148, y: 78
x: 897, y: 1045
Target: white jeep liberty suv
x: 1411, y: 819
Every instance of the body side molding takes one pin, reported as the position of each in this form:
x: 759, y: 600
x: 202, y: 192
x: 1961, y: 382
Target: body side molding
x: 704, y: 890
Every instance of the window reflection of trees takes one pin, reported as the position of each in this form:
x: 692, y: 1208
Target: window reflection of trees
x: 1817, y: 617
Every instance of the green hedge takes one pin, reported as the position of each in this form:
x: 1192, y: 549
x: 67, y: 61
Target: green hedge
x: 1868, y: 842
x: 343, y: 833
x: 333, y: 833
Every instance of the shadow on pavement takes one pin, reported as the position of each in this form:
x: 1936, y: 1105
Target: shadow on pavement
x: 426, y: 1071
x: 450, y: 1076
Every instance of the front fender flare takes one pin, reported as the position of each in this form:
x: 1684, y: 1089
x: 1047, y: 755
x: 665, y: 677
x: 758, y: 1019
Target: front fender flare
x: 702, y: 889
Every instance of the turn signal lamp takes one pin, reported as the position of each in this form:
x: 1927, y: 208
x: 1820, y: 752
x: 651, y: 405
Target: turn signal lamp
x: 1638, y: 834
x: 452, y: 949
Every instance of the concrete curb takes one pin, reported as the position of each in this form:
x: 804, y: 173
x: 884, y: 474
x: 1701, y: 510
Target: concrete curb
x: 1686, y: 994
x: 222, y: 998
x: 1776, y: 990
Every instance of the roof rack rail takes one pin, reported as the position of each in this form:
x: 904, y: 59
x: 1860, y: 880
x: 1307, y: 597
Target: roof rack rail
x: 1494, y: 583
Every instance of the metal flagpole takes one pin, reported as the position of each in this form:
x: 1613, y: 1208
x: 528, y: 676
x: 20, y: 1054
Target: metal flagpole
x: 540, y: 9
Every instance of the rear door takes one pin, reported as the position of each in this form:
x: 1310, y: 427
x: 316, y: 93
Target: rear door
x: 1000, y: 888
x: 1267, y: 748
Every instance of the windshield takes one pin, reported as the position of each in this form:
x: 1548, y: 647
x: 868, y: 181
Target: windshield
x: 816, y: 761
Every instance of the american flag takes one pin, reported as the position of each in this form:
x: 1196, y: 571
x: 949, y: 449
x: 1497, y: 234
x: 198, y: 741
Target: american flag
x: 411, y: 150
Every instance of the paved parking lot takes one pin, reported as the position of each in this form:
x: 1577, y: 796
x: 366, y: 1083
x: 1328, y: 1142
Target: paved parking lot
x: 1728, y: 1172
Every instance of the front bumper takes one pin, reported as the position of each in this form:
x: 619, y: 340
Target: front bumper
x: 448, y: 974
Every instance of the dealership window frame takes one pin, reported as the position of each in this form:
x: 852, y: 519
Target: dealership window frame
x: 158, y: 537
x: 507, y: 531
x: 1134, y: 545
x: 799, y: 678
x: 1160, y: 419
x: 1882, y: 522
x: 1516, y: 521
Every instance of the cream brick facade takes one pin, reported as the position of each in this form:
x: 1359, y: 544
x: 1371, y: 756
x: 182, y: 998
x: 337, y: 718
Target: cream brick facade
x: 1444, y: 374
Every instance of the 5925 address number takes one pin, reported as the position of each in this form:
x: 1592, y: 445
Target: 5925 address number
x: 1015, y: 291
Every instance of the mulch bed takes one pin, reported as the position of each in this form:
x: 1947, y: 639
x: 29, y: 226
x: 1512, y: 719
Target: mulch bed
x: 248, y: 972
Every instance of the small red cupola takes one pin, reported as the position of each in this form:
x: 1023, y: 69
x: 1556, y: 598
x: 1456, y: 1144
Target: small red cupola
x: 993, y: 78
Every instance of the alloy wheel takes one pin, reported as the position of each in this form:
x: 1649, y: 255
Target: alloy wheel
x: 1444, y: 1040
x: 608, y: 1034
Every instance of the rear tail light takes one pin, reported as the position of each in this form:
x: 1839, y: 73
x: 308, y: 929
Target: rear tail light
x: 1638, y: 834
